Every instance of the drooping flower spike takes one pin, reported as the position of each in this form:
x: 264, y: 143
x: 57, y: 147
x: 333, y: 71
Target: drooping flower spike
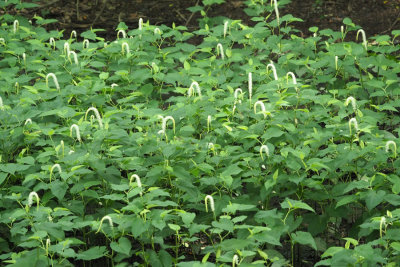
x: 364, y: 38
x: 121, y: 32
x: 236, y: 94
x: 250, y: 87
x: 211, y: 199
x: 208, y: 123
x: 263, y: 110
x: 15, y: 26
x: 272, y: 66
x: 55, y: 80
x: 220, y: 50
x: 55, y: 166
x: 138, y: 181
x: 125, y: 48
x: 75, y: 56
x: 264, y: 149
x: 30, y: 199
x: 97, y: 114
x: 276, y: 10
x: 108, y: 218
x: 391, y: 145
x: 353, y: 102
x: 353, y: 122
x: 193, y: 86
x: 225, y: 28
x: 77, y: 132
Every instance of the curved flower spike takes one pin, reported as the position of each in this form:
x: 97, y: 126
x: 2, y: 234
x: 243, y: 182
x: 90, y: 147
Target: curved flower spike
x: 125, y: 47
x: 276, y: 10
x: 261, y: 104
x: 77, y: 132
x: 391, y: 144
x: 85, y: 43
x: 364, y: 38
x: 55, y: 166
x: 225, y: 28
x: 294, y: 80
x: 272, y: 66
x: 250, y: 86
x: 157, y: 31
x: 236, y: 94
x: 208, y: 123
x: 114, y: 85
x: 28, y: 121
x: 121, y: 32
x: 138, y: 181
x: 30, y: 199
x: 264, y: 149
x: 191, y: 88
x: 211, y: 199
x: 210, y: 146
x: 52, y: 42
x: 1, y: 104
x: 75, y: 57
x: 164, y: 123
x: 235, y: 260
x: 108, y: 218
x: 66, y: 48
x: 220, y: 50
x: 52, y: 75
x: 15, y: 26
x: 353, y: 102
x: 2, y: 40
x: 73, y: 34
x: 353, y: 122
x: 97, y: 114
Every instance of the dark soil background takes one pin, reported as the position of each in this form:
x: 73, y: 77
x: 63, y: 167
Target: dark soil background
x: 374, y: 16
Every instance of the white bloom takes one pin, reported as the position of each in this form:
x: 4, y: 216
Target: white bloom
x: 191, y: 89
x: 264, y: 149
x: 77, y: 132
x: 261, y: 104
x: 353, y: 122
x: 30, y: 198
x: 272, y: 66
x: 211, y: 199
x: 364, y: 38
x: 108, y: 218
x: 55, y: 80
x: 220, y: 49
x: 353, y: 102
x: 97, y: 114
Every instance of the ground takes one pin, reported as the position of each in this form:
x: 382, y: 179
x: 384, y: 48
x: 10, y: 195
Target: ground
x: 374, y: 16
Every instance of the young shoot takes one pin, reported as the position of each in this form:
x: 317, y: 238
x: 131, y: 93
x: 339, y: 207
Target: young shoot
x: 220, y: 50
x: 364, y: 38
x: 261, y: 104
x: 276, y: 10
x: 75, y: 57
x: 353, y: 122
x: 193, y: 86
x: 264, y: 150
x: 30, y: 199
x: 55, y: 166
x: 15, y: 26
x: 353, y: 102
x: 77, y: 132
x: 391, y: 145
x: 138, y: 181
x: 238, y: 92
x: 272, y: 66
x: 125, y: 48
x: 211, y: 199
x: 110, y: 222
x: 97, y: 114
x: 55, y: 80
x: 122, y: 32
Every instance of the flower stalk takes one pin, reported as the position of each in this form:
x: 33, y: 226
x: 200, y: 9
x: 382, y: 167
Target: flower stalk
x: 226, y: 23
x: 125, y: 47
x: 272, y: 66
x: 250, y: 85
x: 208, y: 123
x: 122, y: 32
x: 75, y: 57
x: 276, y: 10
x: 15, y: 26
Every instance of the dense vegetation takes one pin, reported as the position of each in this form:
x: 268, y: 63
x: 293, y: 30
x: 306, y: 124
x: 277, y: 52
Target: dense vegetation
x: 228, y: 145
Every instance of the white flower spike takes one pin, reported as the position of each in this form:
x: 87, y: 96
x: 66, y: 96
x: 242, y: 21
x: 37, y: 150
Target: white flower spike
x: 15, y: 26
x: 121, y: 32
x: 1, y: 104
x: 235, y: 260
x: 261, y: 104
x: 138, y: 181
x: 125, y: 48
x: 28, y: 121
x: 250, y: 86
x: 55, y: 166
x: 276, y: 10
x: 30, y: 199
x: 97, y: 114
x: 353, y: 102
x: 225, y: 28
x: 353, y: 122
x: 272, y: 66
x: 211, y: 199
x: 391, y: 144
x: 364, y: 38
x: 264, y: 149
x: 193, y: 86
x: 85, y: 43
x: 75, y: 56
x: 108, y: 218
x: 208, y: 123
x: 66, y: 48
x: 220, y: 50
x: 236, y: 95
x: 55, y: 80
x: 77, y: 132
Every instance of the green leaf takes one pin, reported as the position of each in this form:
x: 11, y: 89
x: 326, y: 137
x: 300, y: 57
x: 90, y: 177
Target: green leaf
x: 123, y: 246
x: 92, y: 253
x: 304, y: 238
x: 187, y: 217
x: 374, y: 198
x: 58, y: 189
x: 295, y: 204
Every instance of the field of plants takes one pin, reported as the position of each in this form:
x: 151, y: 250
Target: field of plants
x: 229, y: 145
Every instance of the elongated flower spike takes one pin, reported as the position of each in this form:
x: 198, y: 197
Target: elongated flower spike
x: 125, y: 47
x: 108, y: 218
x: 164, y: 123
x: 236, y: 95
x: 140, y: 24
x: 391, y: 144
x: 66, y: 48
x: 353, y: 122
x: 353, y: 102
x: 157, y: 31
x: 235, y: 260
x: 261, y: 104
x: 121, y: 32
x: 73, y: 34
x: 276, y: 10
x: 54, y: 77
x: 55, y: 166
x: 77, y: 132
x: 264, y: 149
x: 52, y: 43
x: 97, y: 114
x: 75, y: 57
x: 85, y: 43
x: 250, y: 85
x: 272, y: 66
x: 138, y: 181
x: 24, y: 58
x: 211, y: 199
x: 30, y: 199
x: 342, y: 31
x: 15, y: 26
x: 225, y: 28
x: 294, y: 80
x: 193, y: 86
x: 364, y: 38
x: 28, y: 121
x: 1, y: 104
x: 220, y: 50
x: 208, y: 123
